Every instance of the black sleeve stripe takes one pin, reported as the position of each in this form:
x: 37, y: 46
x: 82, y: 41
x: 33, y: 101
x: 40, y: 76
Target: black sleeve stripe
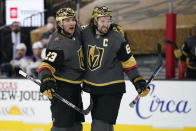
x: 124, y: 54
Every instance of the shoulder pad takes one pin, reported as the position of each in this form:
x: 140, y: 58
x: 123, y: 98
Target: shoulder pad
x: 84, y: 26
x: 119, y: 29
x: 115, y: 29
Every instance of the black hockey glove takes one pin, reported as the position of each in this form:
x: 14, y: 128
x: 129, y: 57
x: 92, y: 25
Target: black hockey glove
x: 48, y: 86
x: 141, y: 86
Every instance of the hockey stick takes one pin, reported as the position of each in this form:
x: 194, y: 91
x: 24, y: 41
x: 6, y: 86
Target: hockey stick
x: 84, y: 112
x: 132, y: 104
x: 179, y: 60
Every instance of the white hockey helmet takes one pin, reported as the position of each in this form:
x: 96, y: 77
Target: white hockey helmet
x: 37, y: 44
x: 21, y: 46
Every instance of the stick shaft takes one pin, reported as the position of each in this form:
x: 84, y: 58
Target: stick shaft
x: 84, y: 112
x: 149, y: 81
x: 152, y: 76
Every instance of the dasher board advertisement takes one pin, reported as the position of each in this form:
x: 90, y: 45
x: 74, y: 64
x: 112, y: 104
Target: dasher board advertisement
x: 21, y: 100
x: 169, y: 105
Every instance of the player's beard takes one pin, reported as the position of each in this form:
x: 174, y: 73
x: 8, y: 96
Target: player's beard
x: 68, y: 33
x: 103, y: 29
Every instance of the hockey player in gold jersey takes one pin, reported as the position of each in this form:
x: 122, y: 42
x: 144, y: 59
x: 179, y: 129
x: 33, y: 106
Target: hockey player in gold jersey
x: 106, y: 57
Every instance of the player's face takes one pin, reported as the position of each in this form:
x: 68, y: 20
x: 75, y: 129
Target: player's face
x: 69, y: 25
x: 103, y: 24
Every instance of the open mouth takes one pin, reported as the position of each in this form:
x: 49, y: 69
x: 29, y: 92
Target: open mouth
x: 104, y: 29
x: 71, y: 28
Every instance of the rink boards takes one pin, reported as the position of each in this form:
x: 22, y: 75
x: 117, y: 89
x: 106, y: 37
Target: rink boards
x: 171, y: 106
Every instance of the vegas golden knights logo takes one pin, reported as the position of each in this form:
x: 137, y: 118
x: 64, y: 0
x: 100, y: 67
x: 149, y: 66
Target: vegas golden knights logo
x: 81, y: 58
x: 94, y: 55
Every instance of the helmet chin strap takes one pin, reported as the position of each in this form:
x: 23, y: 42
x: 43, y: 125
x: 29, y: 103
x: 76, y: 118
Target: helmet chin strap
x: 96, y: 27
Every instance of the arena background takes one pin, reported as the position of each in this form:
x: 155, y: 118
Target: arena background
x: 171, y: 104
